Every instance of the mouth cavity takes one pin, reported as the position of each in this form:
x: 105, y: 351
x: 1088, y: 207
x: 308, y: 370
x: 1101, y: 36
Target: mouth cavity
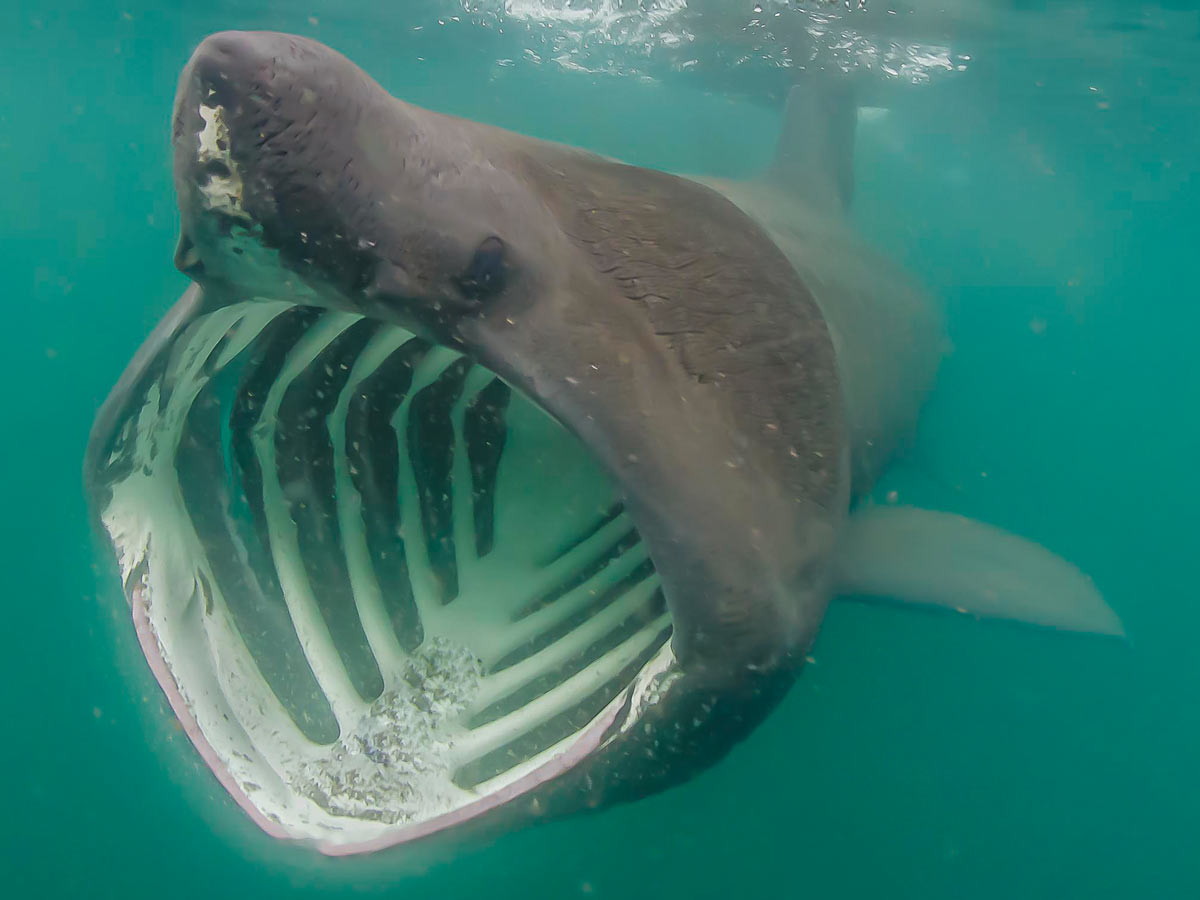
x: 383, y: 591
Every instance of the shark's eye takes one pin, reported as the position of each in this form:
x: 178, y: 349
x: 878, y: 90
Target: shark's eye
x: 485, y: 273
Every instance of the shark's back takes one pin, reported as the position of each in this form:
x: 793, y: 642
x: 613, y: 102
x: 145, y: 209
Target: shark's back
x: 887, y: 332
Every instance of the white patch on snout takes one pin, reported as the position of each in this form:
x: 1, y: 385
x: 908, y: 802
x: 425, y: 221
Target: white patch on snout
x: 221, y: 193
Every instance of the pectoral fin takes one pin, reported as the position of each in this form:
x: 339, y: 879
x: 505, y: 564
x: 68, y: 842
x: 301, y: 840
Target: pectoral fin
x: 916, y: 556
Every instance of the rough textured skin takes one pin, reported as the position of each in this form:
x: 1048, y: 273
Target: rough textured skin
x: 725, y: 300
x: 887, y: 332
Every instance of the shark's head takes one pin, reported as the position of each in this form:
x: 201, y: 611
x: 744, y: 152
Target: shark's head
x: 293, y: 168
x: 476, y: 473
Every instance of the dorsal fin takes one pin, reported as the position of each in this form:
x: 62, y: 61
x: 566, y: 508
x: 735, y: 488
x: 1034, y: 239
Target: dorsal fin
x: 814, y: 157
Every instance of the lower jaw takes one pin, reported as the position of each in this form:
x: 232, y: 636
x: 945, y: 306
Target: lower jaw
x: 383, y: 592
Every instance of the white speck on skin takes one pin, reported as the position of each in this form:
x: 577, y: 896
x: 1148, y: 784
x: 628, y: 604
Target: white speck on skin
x: 222, y: 193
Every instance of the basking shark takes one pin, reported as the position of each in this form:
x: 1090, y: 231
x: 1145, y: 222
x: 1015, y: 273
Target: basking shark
x: 478, y: 478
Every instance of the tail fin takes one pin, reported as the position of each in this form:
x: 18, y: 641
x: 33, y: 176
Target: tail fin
x: 814, y: 157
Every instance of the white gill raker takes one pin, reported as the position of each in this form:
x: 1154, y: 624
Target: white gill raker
x: 635, y: 692
x: 256, y: 315
x: 426, y: 595
x: 569, y: 693
x: 503, y: 584
x: 252, y: 707
x: 546, y: 579
x: 501, y: 642
x: 523, y: 767
x: 315, y: 639
x: 175, y: 604
x: 250, y: 700
x: 501, y: 684
x: 368, y: 597
x: 186, y: 377
x: 464, y: 494
x: 252, y: 321
x: 197, y: 341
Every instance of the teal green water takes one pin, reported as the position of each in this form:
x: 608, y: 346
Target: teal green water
x: 1049, y: 192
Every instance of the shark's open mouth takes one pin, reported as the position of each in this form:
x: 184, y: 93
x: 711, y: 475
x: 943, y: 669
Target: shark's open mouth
x: 383, y: 591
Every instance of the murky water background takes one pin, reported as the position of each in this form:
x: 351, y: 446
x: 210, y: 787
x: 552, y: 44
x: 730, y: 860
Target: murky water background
x: 1037, y: 168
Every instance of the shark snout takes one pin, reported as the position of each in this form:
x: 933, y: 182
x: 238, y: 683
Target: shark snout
x: 263, y: 82
x: 229, y: 66
x: 215, y: 100
x: 220, y: 55
x: 264, y: 148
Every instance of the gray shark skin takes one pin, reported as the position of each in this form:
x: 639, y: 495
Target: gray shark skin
x: 381, y: 294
